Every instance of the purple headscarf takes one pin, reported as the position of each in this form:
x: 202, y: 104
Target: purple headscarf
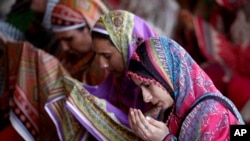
x: 126, y: 31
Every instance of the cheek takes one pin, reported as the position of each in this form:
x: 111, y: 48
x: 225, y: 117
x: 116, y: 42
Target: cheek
x: 117, y: 63
x: 78, y: 44
x: 103, y: 62
x: 153, y: 93
x: 157, y: 93
x: 82, y: 38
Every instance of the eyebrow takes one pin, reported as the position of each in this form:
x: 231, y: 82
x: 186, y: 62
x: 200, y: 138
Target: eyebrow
x: 66, y: 38
x: 103, y: 53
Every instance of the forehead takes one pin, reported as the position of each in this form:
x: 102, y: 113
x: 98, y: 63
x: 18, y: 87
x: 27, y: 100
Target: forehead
x: 103, y: 45
x: 65, y: 33
x: 136, y: 80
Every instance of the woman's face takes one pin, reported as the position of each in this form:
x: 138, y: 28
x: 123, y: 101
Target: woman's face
x: 154, y: 94
x: 77, y: 42
x: 110, y: 58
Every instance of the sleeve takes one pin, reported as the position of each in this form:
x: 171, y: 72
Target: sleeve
x: 209, y: 120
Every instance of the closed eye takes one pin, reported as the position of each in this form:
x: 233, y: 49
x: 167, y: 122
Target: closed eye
x: 147, y: 84
x: 68, y: 39
x: 107, y: 56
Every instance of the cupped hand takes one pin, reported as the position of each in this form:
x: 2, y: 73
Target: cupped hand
x: 147, y: 128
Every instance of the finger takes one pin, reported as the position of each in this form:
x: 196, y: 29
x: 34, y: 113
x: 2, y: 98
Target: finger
x: 130, y: 119
x: 147, y: 126
x: 143, y: 119
x: 142, y: 127
x: 134, y: 125
x: 157, y: 124
x: 133, y: 120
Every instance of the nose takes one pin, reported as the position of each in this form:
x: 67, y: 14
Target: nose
x: 103, y: 62
x: 64, y: 46
x: 146, y: 96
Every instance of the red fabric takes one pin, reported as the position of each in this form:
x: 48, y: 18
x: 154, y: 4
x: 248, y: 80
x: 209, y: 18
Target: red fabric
x: 216, y: 73
x: 10, y: 134
x: 230, y: 4
x: 238, y: 91
x: 243, y: 56
x: 214, y: 46
x: 210, y: 120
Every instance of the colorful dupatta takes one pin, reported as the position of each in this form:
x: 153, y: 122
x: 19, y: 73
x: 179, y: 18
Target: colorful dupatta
x: 35, y: 79
x: 75, y: 14
x: 201, y: 111
x: 69, y: 15
x: 33, y: 76
x: 126, y: 31
x: 90, y: 9
x: 72, y: 14
x: 230, y: 50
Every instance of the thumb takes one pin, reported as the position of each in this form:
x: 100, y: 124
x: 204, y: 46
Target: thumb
x: 156, y: 123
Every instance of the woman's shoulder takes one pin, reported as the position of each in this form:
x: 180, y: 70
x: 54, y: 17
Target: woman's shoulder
x: 210, y: 119
x: 212, y: 109
x: 211, y: 106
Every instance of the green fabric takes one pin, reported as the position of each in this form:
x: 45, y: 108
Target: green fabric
x: 21, y: 19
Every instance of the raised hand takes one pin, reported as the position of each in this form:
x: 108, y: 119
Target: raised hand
x: 147, y: 128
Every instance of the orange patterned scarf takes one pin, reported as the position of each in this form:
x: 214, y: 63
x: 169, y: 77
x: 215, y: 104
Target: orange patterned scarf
x: 72, y: 14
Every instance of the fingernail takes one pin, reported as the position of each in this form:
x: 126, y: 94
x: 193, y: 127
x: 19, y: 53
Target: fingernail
x: 147, y: 118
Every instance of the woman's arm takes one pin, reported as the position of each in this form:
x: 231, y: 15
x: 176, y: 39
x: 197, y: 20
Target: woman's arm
x: 209, y: 120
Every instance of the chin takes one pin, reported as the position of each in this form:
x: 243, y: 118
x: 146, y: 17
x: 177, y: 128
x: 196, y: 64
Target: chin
x: 117, y: 75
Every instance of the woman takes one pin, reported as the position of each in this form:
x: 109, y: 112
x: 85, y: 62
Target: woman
x: 229, y: 46
x: 71, y: 21
x: 32, y: 76
x: 115, y: 37
x: 191, y: 106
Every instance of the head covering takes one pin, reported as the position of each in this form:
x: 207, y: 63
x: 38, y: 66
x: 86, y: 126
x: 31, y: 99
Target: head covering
x: 38, y: 79
x: 164, y: 62
x: 125, y: 29
x: 73, y: 14
x: 118, y: 96
x: 46, y: 22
